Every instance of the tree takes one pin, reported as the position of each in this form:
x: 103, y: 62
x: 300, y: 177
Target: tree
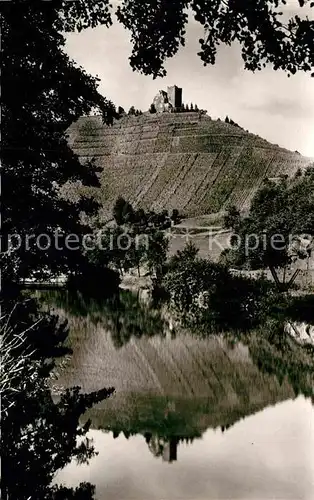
x: 157, y: 253
x: 279, y: 228
x: 232, y: 219
x: 121, y: 111
x: 139, y: 221
x: 125, y: 316
x: 206, y: 295
x: 175, y: 216
x: 122, y: 211
x: 132, y: 111
x: 152, y: 109
x: 192, y: 107
x: 182, y: 257
x: 158, y: 30
x: 227, y: 119
x: 121, y: 248
x: 38, y: 435
x: 138, y: 253
x: 43, y: 92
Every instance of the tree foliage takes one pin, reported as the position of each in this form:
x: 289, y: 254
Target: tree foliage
x: 231, y: 122
x: 122, y: 211
x: 232, y: 218
x: 140, y: 220
x: 132, y: 111
x: 43, y: 92
x: 158, y: 29
x: 279, y: 228
x: 39, y: 435
x: 137, y: 239
x: 205, y: 294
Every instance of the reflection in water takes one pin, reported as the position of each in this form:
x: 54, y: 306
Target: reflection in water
x: 153, y: 357
x: 125, y: 316
x: 182, y: 399
x: 161, y: 447
x: 266, y: 456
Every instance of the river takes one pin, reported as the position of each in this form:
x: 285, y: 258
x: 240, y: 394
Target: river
x: 192, y: 418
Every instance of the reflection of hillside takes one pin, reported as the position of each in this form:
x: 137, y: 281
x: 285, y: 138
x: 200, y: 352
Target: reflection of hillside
x: 285, y: 357
x: 124, y: 316
x: 189, y: 417
x: 164, y: 430
x: 160, y: 446
x: 174, y: 388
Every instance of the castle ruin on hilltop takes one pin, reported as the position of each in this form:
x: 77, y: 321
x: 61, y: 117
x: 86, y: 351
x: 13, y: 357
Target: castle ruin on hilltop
x: 168, y: 101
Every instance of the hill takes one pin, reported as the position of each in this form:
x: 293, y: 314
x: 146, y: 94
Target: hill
x: 179, y: 160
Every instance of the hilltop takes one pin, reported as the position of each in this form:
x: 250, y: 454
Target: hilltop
x: 185, y: 160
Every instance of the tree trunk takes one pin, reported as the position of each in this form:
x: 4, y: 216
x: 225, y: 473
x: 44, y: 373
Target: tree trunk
x: 295, y: 274
x: 275, y: 276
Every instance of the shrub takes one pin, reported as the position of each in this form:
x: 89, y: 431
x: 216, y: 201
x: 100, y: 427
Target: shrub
x: 205, y: 294
x: 152, y: 108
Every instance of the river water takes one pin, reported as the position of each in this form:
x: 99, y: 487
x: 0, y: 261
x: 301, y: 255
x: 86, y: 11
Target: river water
x: 192, y: 418
x: 265, y: 456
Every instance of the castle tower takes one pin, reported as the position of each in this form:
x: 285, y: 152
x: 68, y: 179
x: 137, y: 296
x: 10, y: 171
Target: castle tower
x: 175, y: 96
x: 170, y: 451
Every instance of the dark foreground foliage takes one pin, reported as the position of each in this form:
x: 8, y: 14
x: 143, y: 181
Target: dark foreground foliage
x: 39, y: 434
x: 158, y: 29
x: 43, y: 92
x: 301, y: 309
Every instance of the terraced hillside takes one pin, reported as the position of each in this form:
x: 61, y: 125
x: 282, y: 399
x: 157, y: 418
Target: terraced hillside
x: 179, y: 160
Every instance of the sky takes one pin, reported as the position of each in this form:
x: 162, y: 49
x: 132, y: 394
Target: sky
x: 267, y: 103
